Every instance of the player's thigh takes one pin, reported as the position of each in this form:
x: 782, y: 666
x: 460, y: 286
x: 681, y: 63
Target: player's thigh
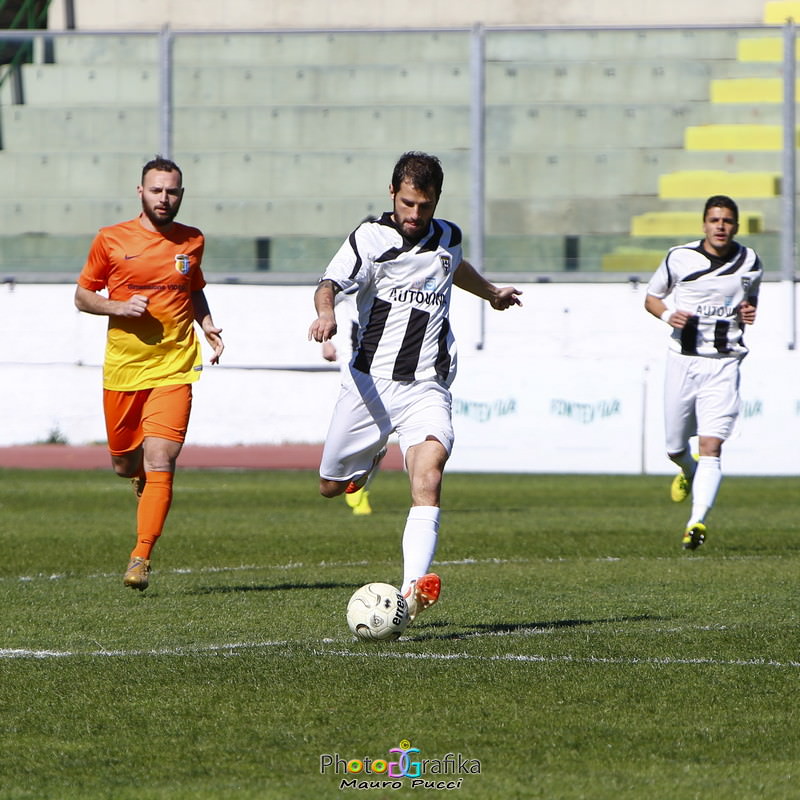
x: 166, y: 412
x: 421, y: 410
x: 357, y: 432
x: 123, y: 418
x: 680, y: 396
x: 718, y: 400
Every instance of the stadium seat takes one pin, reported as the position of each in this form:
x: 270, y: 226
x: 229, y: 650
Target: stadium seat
x: 687, y: 223
x: 632, y: 260
x: 734, y: 137
x: 748, y: 90
x: 763, y: 49
x: 702, y: 183
x: 776, y: 12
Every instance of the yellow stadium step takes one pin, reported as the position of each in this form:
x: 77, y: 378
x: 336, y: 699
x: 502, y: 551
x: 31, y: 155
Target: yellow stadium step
x: 734, y: 137
x: 764, y: 50
x: 749, y: 90
x: 776, y: 12
x: 632, y: 259
x: 688, y: 223
x: 703, y: 183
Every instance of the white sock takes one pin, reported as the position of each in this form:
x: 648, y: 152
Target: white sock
x: 419, y: 542
x: 685, y: 460
x: 707, y: 479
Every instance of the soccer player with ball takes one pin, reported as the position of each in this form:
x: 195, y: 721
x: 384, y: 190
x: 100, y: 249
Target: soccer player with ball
x: 401, y: 268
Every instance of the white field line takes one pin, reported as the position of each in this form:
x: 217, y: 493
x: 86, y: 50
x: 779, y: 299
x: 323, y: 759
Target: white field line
x: 381, y: 653
x: 166, y: 651
x: 232, y: 648
x: 254, y: 568
x: 362, y: 563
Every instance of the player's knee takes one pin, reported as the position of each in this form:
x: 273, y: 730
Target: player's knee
x: 124, y: 467
x: 426, y: 487
x: 331, y: 488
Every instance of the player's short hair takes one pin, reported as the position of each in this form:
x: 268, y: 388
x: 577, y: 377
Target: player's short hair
x: 162, y: 165
x: 721, y: 201
x: 422, y: 171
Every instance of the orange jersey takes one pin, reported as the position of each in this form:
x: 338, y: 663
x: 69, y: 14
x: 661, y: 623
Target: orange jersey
x: 159, y: 348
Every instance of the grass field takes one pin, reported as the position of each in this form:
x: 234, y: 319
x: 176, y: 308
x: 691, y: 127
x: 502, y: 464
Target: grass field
x: 577, y: 651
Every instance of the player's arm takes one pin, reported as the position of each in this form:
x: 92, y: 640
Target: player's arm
x: 202, y: 315
x: 466, y: 277
x: 658, y: 308
x: 324, y: 326
x: 94, y: 303
x: 747, y: 308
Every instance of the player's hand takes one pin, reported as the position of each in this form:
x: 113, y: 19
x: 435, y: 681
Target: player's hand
x: 747, y: 313
x: 215, y: 340
x: 322, y: 328
x: 134, y: 306
x: 679, y: 319
x: 505, y: 297
x: 329, y: 351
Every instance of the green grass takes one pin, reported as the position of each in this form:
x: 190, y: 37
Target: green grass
x: 577, y: 651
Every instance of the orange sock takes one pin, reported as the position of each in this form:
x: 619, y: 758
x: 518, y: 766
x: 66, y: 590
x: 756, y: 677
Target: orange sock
x: 152, y: 512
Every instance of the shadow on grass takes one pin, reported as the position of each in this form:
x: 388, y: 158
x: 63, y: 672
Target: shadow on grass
x: 274, y: 587
x: 428, y: 631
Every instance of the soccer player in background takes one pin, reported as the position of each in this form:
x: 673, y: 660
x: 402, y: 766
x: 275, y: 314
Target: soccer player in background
x: 150, y: 267
x: 401, y: 268
x: 714, y: 284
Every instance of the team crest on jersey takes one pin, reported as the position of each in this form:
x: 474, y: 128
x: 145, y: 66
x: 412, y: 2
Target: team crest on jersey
x: 746, y: 282
x: 182, y: 264
x: 446, y: 262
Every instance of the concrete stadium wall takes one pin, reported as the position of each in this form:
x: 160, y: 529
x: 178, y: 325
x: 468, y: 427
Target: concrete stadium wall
x: 571, y: 382
x: 248, y: 14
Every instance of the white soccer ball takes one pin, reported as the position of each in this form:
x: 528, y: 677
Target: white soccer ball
x: 377, y: 612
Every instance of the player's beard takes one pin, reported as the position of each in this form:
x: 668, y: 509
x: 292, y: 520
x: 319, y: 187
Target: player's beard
x: 163, y: 219
x: 413, y: 234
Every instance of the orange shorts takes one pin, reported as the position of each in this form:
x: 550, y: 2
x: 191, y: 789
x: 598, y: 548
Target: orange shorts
x: 162, y: 412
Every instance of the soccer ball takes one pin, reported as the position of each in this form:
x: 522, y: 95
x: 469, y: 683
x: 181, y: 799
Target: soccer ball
x: 377, y: 612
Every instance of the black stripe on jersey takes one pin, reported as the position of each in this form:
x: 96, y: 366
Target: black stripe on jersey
x: 670, y: 276
x: 353, y: 335
x: 443, y: 357
x: 721, y: 336
x: 432, y: 244
x: 372, y: 335
x: 357, y: 263
x: 391, y: 254
x: 455, y: 235
x: 703, y: 272
x: 689, y: 336
x: 737, y: 263
x: 405, y: 364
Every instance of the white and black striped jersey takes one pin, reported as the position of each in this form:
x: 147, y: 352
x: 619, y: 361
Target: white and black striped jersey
x: 711, y: 289
x: 403, y: 298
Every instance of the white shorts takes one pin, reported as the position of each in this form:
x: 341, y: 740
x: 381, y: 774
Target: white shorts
x: 701, y: 397
x: 368, y: 410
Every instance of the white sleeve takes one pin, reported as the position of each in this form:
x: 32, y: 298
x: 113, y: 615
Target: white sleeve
x: 351, y: 260
x: 659, y: 285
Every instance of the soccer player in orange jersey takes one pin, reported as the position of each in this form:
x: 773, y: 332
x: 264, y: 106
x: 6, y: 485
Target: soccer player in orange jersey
x: 150, y: 269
